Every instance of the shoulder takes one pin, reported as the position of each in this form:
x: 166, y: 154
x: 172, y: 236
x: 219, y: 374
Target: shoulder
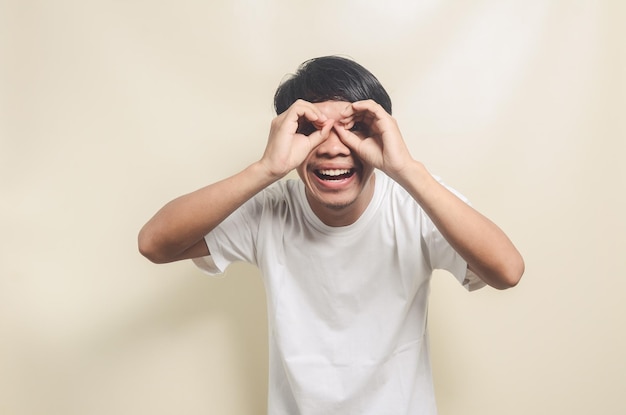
x: 397, y: 192
x: 392, y: 193
x: 280, y: 197
x: 282, y: 192
x: 398, y: 204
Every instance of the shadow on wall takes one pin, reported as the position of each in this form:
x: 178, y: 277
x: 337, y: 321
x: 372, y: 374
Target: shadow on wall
x: 200, y: 344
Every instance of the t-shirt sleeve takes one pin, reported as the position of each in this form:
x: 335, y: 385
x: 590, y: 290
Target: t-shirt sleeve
x: 440, y: 254
x: 232, y: 240
x: 472, y: 281
x: 443, y: 256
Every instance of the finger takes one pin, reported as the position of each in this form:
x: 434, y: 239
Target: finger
x: 374, y: 115
x: 307, y: 127
x: 368, y: 105
x: 370, y: 111
x: 347, y: 137
x: 319, y: 136
x: 347, y: 122
x: 367, y: 111
x: 358, y: 113
x: 301, y: 113
x: 307, y: 110
x: 348, y: 111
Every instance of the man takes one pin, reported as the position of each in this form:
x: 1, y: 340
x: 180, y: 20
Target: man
x: 346, y: 253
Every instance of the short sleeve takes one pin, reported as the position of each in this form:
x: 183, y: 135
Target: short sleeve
x: 443, y: 256
x: 207, y: 264
x: 472, y: 282
x: 232, y: 240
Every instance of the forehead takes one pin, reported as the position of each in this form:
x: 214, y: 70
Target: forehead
x: 331, y: 109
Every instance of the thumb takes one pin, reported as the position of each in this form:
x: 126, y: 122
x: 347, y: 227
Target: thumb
x: 319, y: 136
x: 348, y: 137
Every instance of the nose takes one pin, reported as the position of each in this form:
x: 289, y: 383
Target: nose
x: 332, y: 146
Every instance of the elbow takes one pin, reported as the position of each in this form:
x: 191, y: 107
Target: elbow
x: 511, y: 274
x: 149, y: 248
x: 516, y: 271
x: 501, y: 274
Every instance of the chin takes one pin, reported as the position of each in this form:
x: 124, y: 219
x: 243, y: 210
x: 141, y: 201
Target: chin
x: 338, y: 205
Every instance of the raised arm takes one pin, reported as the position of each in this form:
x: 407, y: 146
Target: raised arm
x: 490, y: 254
x: 177, y: 230
x: 488, y: 251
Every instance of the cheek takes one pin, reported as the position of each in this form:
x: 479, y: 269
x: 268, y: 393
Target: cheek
x: 301, y: 170
x: 302, y: 167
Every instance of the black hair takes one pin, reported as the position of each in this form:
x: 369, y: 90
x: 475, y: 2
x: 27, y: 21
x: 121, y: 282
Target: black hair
x: 330, y: 78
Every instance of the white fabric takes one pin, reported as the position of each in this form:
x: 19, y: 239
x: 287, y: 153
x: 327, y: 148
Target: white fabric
x: 346, y: 305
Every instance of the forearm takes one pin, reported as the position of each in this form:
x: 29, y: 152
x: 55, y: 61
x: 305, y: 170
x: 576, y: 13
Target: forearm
x: 485, y: 247
x: 183, y: 222
x: 177, y: 230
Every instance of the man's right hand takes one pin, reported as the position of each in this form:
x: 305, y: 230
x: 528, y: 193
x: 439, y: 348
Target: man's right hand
x: 293, y: 135
x: 177, y: 230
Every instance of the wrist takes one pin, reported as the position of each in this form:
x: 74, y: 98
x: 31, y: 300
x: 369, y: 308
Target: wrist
x: 265, y: 174
x: 410, y: 169
x: 415, y: 178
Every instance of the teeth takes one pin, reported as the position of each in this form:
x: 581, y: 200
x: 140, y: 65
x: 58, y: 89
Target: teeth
x: 334, y: 172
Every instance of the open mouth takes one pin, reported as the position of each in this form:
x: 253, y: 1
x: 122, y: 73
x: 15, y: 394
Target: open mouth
x: 334, y: 174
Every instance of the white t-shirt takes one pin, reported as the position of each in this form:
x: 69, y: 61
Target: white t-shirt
x: 346, y: 305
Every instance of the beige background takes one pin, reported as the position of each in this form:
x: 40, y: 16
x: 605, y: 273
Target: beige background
x: 111, y: 108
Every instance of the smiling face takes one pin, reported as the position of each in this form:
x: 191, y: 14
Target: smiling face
x: 339, y: 186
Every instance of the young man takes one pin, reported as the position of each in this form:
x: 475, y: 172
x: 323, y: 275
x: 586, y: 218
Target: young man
x: 346, y: 253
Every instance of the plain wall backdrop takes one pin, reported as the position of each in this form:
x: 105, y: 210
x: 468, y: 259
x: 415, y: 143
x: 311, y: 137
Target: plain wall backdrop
x: 109, y: 109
